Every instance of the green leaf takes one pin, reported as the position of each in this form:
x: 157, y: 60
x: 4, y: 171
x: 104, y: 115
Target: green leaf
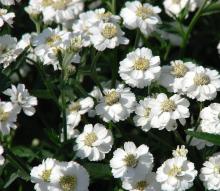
x: 98, y: 171
x: 24, y: 152
x: 11, y: 179
x: 42, y: 94
x: 215, y: 139
x: 212, y: 9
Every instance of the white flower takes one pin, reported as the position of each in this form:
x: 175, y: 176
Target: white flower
x: 41, y: 174
x: 201, y: 84
x: 21, y: 99
x: 142, y: 16
x: 141, y: 183
x: 210, y: 173
x: 77, y: 109
x: 167, y: 110
x: 172, y: 75
x: 107, y: 35
x: 143, y: 114
x: 180, y: 151
x: 9, y: 2
x: 8, y: 50
x: 69, y: 176
x: 2, y: 159
x: 72, y: 132
x: 218, y: 47
x: 128, y: 162
x: 176, y: 174
x: 8, y: 117
x: 140, y: 68
x: 116, y: 104
x: 94, y: 142
x: 210, y: 116
x: 175, y: 7
x: 6, y: 17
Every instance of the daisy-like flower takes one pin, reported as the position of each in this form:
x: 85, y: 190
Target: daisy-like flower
x: 128, y: 162
x: 142, y: 16
x: 201, y: 84
x: 8, y: 50
x: 94, y: 142
x: 172, y: 75
x: 21, y: 99
x: 8, y: 117
x: 41, y: 174
x: 143, y: 114
x: 176, y: 174
x: 210, y: 116
x: 2, y: 159
x: 70, y: 176
x: 175, y: 7
x: 141, y: 183
x: 140, y: 68
x: 180, y: 151
x: 210, y: 173
x: 107, y: 35
x: 77, y: 109
x: 9, y: 2
x: 167, y: 110
x: 116, y: 104
x: 6, y: 17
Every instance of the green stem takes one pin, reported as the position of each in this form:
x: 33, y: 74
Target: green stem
x: 137, y: 38
x: 114, y: 6
x: 63, y: 104
x: 17, y: 162
x: 94, y: 72
x: 191, y: 26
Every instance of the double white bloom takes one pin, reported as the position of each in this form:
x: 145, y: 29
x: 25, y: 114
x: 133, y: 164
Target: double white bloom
x: 143, y: 16
x: 94, y: 142
x: 6, y: 17
x: 53, y: 175
x: 140, y: 68
x: 21, y: 99
x: 116, y: 104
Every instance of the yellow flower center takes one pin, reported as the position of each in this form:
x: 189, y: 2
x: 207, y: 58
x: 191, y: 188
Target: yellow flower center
x: 75, y: 106
x: 147, y: 112
x: 141, y: 185
x: 179, y: 70
x: 46, y: 175
x: 52, y: 39
x: 112, y: 98
x: 109, y: 31
x: 168, y: 105
x: 105, y: 16
x: 144, y: 12
x: 201, y: 79
x: 217, y: 169
x: 90, y: 138
x: 174, y: 171
x: 68, y: 183
x: 130, y: 160
x: 61, y: 4
x: 141, y: 64
x: 3, y: 115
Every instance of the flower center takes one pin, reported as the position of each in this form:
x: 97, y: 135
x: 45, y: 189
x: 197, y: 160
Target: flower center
x: 68, y: 183
x: 176, y: 1
x: 3, y: 115
x: 46, y: 3
x: 61, y: 4
x: 179, y: 70
x: 144, y: 12
x: 112, y: 98
x: 90, y: 138
x: 109, y: 31
x: 75, y: 106
x: 130, y: 160
x: 52, y: 39
x: 217, y: 169
x: 105, y: 16
x: 201, y: 79
x: 141, y: 64
x: 168, y: 105
x: 174, y: 171
x: 46, y: 175
x: 147, y: 112
x: 141, y: 185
